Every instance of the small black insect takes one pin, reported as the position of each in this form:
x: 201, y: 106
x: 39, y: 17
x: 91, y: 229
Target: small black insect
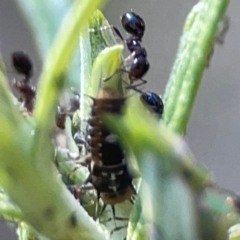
x: 23, y: 65
x: 153, y: 101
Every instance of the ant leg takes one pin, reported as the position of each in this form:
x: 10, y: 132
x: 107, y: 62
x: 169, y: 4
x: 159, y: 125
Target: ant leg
x: 132, y: 200
x: 129, y: 57
x: 75, y: 92
x: 117, y: 218
x: 134, y: 87
x: 108, y: 78
x: 117, y: 229
x: 130, y: 86
x: 117, y: 32
x: 104, y: 28
x: 103, y: 209
x: 96, y: 215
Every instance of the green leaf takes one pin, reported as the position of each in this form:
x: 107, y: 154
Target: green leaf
x: 192, y: 58
x: 161, y: 156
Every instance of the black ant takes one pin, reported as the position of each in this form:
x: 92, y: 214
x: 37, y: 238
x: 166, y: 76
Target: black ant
x: 23, y: 65
x: 134, y: 25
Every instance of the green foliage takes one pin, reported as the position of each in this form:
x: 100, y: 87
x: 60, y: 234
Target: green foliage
x: 27, y: 171
x: 173, y: 187
x: 176, y: 197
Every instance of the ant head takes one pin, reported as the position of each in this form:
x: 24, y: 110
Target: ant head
x: 133, y: 24
x: 22, y: 63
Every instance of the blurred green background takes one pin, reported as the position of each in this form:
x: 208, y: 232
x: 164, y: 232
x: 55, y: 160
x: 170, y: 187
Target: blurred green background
x: 214, y: 129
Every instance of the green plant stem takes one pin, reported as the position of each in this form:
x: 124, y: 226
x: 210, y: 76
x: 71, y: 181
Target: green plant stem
x: 8, y: 210
x: 27, y: 173
x: 44, y: 200
x: 175, y: 200
x: 182, y: 47
x: 58, y: 57
x: 85, y: 73
x: 194, y: 49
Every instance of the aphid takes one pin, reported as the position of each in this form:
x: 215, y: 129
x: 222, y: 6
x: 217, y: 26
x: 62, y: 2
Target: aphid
x: 108, y: 169
x: 153, y: 101
x: 23, y: 65
x: 222, y: 30
x: 80, y: 140
x: 74, y: 101
x: 61, y: 112
x: 60, y: 117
